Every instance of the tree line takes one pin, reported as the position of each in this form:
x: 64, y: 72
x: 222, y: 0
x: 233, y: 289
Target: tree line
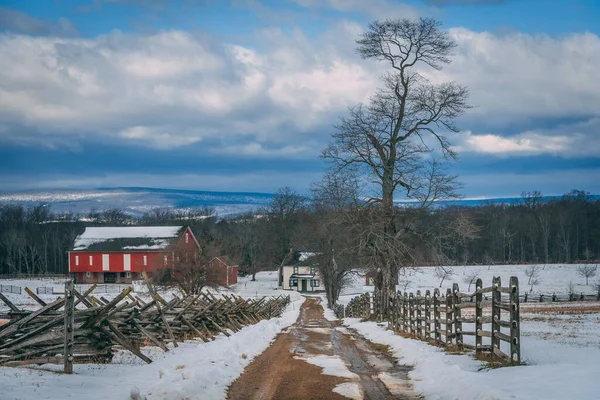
x: 335, y: 223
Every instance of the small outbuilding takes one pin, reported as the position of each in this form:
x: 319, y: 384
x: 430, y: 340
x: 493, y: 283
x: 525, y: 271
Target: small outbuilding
x: 225, y: 271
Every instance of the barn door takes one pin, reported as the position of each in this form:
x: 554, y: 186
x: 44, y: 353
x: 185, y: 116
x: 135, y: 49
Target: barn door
x: 127, y: 262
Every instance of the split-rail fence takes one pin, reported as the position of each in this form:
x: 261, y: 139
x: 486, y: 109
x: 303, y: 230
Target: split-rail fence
x: 81, y: 328
x: 490, y: 315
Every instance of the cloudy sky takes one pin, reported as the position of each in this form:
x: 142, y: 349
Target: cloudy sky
x: 241, y: 95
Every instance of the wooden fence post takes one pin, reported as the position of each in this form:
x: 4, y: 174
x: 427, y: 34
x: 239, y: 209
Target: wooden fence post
x: 69, y: 322
x: 478, y: 316
x: 449, y: 310
x: 436, y: 315
x: 427, y: 315
x: 496, y: 299
x: 405, y: 314
x: 411, y: 313
x: 515, y: 324
x: 457, y: 316
x: 419, y: 316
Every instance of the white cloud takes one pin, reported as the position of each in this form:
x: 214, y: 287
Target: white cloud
x: 573, y: 140
x: 174, y: 88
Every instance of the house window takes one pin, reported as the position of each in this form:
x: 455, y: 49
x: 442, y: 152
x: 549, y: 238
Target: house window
x: 76, y: 260
x: 314, y: 283
x: 295, y: 269
x: 128, y: 274
x: 187, y: 237
x: 312, y: 270
x: 293, y: 282
x: 145, y: 260
x: 88, y: 274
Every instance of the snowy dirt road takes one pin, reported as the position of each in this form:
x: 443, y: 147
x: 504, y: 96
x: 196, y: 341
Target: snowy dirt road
x: 319, y: 359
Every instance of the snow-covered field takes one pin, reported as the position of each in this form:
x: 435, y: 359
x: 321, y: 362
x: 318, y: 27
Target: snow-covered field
x: 553, y: 278
x: 560, y: 343
x: 194, y: 370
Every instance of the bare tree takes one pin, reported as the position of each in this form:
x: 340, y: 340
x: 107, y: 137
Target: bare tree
x: 404, y: 284
x: 533, y: 274
x: 329, y: 230
x: 587, y: 271
x: 389, y: 138
x: 443, y: 273
x: 470, y: 278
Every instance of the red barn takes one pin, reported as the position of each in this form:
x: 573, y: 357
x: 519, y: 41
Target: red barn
x: 225, y: 272
x: 120, y: 254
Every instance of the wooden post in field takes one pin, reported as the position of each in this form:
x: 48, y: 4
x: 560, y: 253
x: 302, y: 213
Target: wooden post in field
x: 436, y: 315
x: 69, y: 322
x: 457, y: 316
x: 496, y: 299
x: 478, y: 316
x: 515, y: 324
x: 449, y: 309
x: 427, y: 315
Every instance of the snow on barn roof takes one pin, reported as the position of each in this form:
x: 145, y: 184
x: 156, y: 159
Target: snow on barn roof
x: 126, y: 238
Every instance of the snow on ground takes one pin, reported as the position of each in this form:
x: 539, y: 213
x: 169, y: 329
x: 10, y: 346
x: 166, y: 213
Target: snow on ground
x: 560, y: 343
x: 554, y: 371
x: 332, y: 365
x: 193, y: 369
x: 351, y: 390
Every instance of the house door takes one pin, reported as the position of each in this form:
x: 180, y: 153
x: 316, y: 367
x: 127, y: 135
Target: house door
x: 304, y: 285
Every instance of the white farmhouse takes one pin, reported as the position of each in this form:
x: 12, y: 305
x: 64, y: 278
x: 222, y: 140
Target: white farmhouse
x: 302, y: 276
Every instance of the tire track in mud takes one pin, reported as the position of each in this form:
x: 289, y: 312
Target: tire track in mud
x: 319, y: 359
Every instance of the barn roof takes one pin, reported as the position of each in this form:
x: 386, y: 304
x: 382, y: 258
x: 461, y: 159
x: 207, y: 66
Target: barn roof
x: 127, y: 238
x: 225, y: 260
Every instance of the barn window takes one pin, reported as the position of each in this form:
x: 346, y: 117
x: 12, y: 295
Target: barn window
x: 187, y: 237
x: 88, y: 274
x: 128, y: 274
x: 166, y: 259
x: 91, y: 260
x: 145, y: 260
x: 76, y: 260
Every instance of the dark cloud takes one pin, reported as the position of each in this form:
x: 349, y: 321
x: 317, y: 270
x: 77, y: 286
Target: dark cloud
x: 18, y: 22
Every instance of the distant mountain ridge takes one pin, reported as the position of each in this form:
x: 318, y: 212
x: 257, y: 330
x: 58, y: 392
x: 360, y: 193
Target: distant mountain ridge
x: 138, y: 200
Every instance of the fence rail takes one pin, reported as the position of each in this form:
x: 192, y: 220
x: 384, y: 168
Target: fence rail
x: 44, y: 290
x: 10, y: 289
x: 446, y: 319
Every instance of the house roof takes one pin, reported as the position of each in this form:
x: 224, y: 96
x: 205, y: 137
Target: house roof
x: 134, y: 238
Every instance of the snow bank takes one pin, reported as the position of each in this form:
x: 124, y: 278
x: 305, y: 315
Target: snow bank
x: 555, y: 371
x: 210, y: 368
